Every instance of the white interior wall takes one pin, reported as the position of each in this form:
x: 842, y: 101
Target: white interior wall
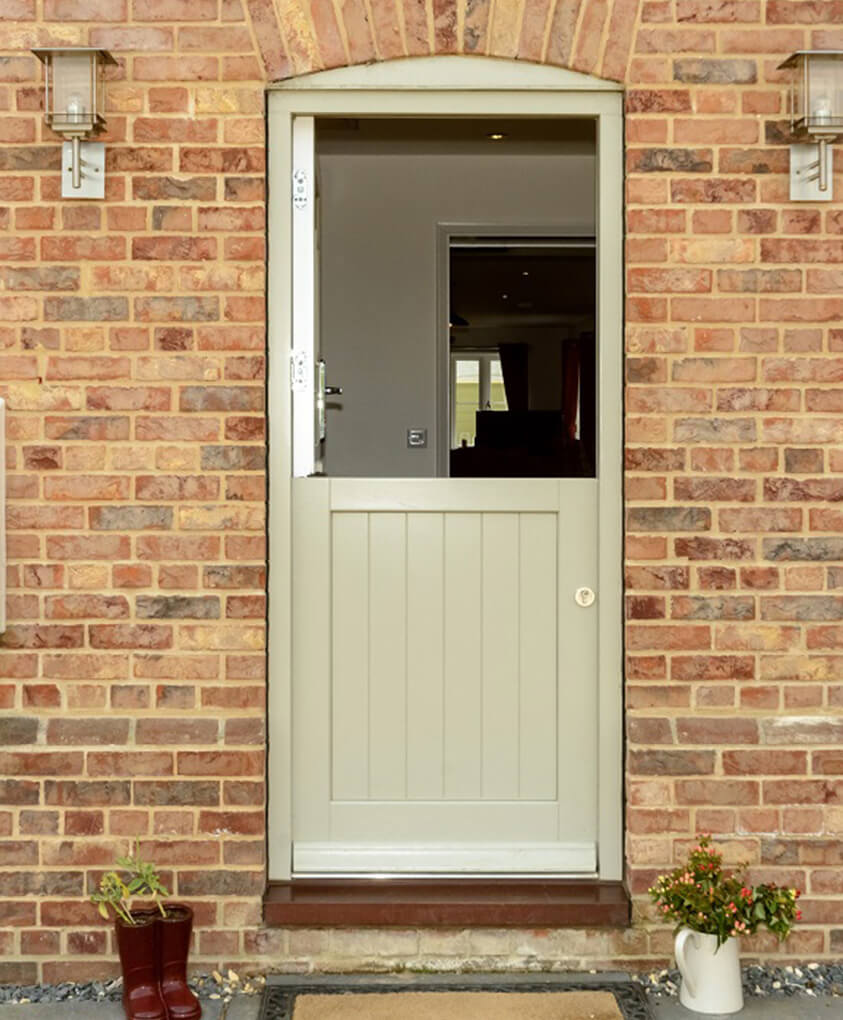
x: 378, y: 237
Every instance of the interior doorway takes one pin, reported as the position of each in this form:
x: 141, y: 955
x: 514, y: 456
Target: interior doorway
x: 453, y: 685
x: 521, y: 320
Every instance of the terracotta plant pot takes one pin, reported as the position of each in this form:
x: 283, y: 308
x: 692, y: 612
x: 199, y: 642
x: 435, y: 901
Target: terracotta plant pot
x: 711, y: 977
x: 138, y: 946
x: 174, y: 945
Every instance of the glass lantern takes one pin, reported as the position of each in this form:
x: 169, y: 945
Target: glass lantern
x: 74, y: 97
x: 74, y: 89
x: 816, y: 111
x: 816, y: 91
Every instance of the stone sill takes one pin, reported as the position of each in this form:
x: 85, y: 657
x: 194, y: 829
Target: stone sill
x: 451, y: 903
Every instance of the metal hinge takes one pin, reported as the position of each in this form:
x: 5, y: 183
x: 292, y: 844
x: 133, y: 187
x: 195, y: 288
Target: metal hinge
x: 301, y: 374
x: 301, y: 189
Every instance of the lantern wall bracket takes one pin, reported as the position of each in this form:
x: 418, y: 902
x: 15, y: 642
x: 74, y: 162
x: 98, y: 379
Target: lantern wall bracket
x: 89, y: 163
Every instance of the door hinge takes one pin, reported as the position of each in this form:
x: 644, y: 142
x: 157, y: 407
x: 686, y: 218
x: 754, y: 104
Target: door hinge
x: 301, y: 376
x: 301, y: 189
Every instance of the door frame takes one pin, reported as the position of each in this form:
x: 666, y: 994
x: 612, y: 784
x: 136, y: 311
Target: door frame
x: 449, y: 86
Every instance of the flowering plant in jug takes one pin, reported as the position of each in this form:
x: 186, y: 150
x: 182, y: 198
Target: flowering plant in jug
x: 701, y: 896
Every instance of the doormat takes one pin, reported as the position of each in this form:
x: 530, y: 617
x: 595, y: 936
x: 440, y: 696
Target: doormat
x: 611, y: 1000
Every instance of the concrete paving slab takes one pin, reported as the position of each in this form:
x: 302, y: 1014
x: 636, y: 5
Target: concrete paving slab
x: 242, y: 1008
x: 800, y: 1007
x: 247, y: 1008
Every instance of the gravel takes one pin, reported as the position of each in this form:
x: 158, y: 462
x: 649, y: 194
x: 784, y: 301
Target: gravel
x: 206, y: 986
x: 810, y: 979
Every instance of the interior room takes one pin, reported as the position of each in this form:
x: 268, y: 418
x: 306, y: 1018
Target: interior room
x: 456, y: 263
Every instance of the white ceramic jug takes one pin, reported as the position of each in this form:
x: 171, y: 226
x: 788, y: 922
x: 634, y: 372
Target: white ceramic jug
x: 711, y: 977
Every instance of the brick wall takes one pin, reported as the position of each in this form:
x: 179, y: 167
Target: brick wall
x: 133, y: 358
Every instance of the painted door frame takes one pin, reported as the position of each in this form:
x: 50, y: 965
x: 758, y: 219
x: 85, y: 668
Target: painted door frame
x: 449, y: 86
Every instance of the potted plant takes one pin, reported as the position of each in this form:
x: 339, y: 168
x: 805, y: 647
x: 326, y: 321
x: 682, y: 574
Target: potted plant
x: 712, y: 908
x: 153, y: 942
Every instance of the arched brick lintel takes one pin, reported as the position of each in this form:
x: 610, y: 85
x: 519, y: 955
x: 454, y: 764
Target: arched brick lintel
x: 302, y: 36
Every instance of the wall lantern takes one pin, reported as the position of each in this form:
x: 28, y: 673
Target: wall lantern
x: 816, y: 111
x: 74, y: 106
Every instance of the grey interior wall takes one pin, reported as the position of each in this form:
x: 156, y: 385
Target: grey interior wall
x: 378, y: 237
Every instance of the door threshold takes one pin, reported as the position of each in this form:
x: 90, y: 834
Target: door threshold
x: 446, y: 903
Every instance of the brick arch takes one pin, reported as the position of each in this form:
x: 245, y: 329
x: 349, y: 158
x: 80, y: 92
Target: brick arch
x: 302, y: 36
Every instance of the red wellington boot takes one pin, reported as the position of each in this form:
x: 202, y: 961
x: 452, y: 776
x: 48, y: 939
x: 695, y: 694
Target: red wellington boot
x: 138, y: 947
x: 174, y: 931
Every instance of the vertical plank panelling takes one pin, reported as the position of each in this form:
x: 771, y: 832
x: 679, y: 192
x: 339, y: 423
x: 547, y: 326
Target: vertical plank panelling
x: 387, y: 656
x: 463, y: 686
x: 311, y: 651
x: 425, y: 637
x: 350, y: 674
x: 500, y: 656
x: 577, y: 715
x: 537, y: 648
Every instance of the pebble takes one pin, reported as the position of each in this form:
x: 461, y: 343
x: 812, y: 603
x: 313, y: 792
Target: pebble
x: 206, y: 986
x: 811, y: 979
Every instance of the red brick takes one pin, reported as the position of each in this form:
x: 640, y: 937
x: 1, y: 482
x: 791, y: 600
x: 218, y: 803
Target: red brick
x: 130, y: 763
x: 174, y: 248
x: 153, y: 547
x: 70, y: 607
x: 712, y: 221
x: 668, y: 762
x: 799, y: 791
x: 87, y: 732
x: 132, y: 636
x: 169, y: 69
x: 717, y: 791
x: 172, y: 129
x: 719, y: 731
x: 40, y: 943
x: 646, y: 821
x: 176, y: 731
x: 220, y: 763
x: 669, y: 280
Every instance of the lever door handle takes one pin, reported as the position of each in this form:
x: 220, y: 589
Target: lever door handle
x: 333, y: 391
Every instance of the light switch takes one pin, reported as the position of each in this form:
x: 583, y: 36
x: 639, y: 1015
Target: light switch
x: 416, y: 438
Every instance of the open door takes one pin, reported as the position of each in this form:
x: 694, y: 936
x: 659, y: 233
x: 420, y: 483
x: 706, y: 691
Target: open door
x: 444, y: 629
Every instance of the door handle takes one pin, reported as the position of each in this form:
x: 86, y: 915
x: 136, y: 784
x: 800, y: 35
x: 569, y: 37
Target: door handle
x: 323, y: 390
x: 584, y: 597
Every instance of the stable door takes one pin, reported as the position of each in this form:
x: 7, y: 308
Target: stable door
x: 445, y: 497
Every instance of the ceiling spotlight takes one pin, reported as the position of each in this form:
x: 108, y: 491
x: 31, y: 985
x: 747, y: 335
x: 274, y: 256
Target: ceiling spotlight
x: 525, y: 272
x: 496, y: 136
x: 504, y: 296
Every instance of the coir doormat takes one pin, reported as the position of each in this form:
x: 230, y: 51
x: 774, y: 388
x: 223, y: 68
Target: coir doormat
x: 556, y: 1000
